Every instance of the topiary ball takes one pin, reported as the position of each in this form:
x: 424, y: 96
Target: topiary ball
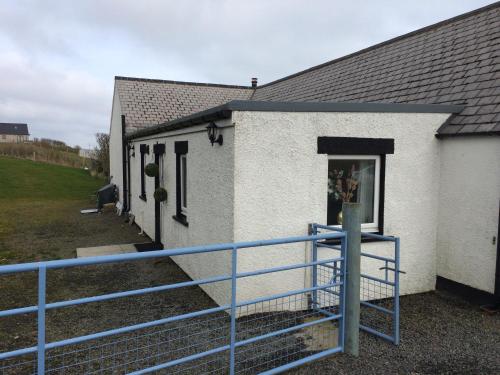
x: 151, y: 170
x: 161, y: 194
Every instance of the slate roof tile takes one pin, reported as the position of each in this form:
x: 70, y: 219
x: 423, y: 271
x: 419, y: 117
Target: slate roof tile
x: 148, y: 102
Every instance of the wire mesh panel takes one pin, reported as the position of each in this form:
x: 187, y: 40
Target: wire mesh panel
x: 18, y: 365
x: 315, y: 335
x: 379, y: 285
x: 123, y: 354
x: 377, y: 306
x: 379, y: 288
x: 275, y: 331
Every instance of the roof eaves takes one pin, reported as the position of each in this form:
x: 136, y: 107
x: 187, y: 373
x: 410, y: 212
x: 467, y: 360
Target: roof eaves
x: 212, y: 114
x: 224, y: 111
x: 469, y: 134
x: 272, y: 106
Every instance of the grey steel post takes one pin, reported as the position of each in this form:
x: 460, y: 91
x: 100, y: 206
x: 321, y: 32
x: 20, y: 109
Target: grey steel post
x: 351, y: 223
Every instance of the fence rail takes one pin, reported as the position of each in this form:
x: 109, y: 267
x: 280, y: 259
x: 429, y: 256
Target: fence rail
x: 379, y: 292
x: 332, y: 310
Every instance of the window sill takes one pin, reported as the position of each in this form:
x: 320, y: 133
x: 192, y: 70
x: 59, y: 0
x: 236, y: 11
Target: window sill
x: 143, y: 197
x: 336, y: 241
x: 181, y: 219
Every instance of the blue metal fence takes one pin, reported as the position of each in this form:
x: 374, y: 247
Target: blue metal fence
x: 379, y: 284
x: 232, y: 346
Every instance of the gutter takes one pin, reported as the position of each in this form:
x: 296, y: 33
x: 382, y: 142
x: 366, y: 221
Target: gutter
x: 459, y: 135
x: 124, y: 167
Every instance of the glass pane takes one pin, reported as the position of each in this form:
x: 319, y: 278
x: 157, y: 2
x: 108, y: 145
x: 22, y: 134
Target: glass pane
x: 184, y: 179
x: 350, y: 180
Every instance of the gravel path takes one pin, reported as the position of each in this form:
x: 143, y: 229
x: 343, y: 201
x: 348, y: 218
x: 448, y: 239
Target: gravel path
x: 440, y: 334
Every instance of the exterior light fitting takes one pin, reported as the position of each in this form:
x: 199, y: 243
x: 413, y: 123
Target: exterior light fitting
x: 213, y: 134
x: 131, y: 148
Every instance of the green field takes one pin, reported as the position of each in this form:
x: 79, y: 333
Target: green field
x: 39, y: 209
x: 25, y: 179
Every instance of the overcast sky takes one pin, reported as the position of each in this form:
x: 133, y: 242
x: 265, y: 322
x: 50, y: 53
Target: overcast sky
x: 58, y: 58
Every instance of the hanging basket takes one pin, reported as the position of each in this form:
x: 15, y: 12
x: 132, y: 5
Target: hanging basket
x: 161, y: 194
x: 151, y: 170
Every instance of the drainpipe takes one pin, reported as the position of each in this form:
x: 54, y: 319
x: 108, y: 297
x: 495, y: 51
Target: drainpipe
x: 124, y: 166
x: 129, y: 190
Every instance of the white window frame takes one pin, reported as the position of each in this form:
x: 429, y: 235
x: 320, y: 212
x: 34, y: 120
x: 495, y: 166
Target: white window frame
x: 367, y: 227
x: 183, y: 162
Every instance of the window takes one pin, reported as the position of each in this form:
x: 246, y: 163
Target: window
x: 184, y: 184
x: 356, y: 173
x: 144, y: 149
x: 181, y: 150
x: 354, y: 178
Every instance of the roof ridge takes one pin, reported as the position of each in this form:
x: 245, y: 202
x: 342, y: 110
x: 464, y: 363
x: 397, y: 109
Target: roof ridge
x: 387, y: 42
x: 122, y: 78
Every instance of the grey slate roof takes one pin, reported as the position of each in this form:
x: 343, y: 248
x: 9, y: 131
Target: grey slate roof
x: 13, y: 128
x: 456, y: 61
x: 148, y: 102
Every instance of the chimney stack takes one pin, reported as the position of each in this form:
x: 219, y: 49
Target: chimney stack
x: 254, y: 82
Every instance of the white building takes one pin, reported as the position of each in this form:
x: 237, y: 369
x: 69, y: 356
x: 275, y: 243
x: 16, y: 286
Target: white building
x: 14, y: 133
x: 86, y: 153
x: 416, y: 119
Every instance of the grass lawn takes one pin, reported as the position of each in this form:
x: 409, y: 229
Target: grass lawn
x: 35, y: 181
x: 40, y: 212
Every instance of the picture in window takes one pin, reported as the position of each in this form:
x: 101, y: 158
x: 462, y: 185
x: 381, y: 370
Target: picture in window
x: 352, y: 180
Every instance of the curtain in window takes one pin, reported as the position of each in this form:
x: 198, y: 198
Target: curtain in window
x: 366, y: 178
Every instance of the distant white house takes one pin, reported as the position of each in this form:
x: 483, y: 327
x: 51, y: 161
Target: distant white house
x: 86, y: 153
x: 415, y: 119
x: 13, y: 133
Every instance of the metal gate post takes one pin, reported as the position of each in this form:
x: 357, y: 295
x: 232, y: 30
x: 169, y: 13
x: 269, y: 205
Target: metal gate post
x: 352, y: 225
x: 42, y: 276
x: 314, y: 303
x: 396, y: 293
x: 234, y: 271
x: 342, y: 295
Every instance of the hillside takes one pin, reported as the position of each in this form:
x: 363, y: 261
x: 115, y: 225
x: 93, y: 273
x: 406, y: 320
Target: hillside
x: 40, y: 209
x: 44, y: 152
x: 31, y: 180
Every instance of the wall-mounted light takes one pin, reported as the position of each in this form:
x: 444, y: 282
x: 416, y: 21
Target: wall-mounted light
x: 213, y: 134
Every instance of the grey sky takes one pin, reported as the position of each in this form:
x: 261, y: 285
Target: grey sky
x: 59, y: 57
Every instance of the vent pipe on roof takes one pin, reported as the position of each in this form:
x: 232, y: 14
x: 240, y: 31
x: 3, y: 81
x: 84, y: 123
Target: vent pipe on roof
x: 254, y: 82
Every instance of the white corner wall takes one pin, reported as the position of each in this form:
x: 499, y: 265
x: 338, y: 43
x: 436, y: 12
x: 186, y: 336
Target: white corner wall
x: 210, y: 201
x: 468, y: 210
x: 281, y: 185
x: 115, y: 146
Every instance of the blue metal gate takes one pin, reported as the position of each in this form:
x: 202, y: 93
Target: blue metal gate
x: 269, y: 334
x: 379, y: 284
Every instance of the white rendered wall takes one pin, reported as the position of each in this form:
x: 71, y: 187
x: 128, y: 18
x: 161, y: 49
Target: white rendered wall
x: 281, y: 186
x: 468, y: 210
x: 11, y: 138
x: 210, y: 202
x: 115, y: 146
